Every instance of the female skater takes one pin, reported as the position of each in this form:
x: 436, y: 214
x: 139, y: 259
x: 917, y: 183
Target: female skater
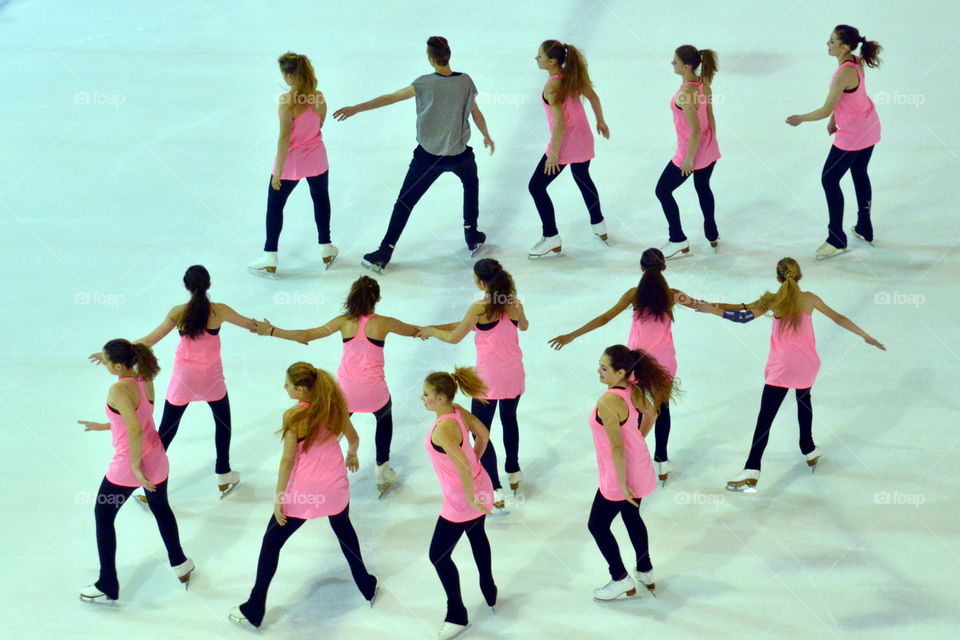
x: 697, y: 149
x: 467, y: 490
x: 360, y: 376
x: 139, y: 460
x: 855, y: 127
x: 300, y: 154
x: 651, y: 330
x: 793, y: 362
x: 496, y: 319
x: 312, y: 482
x: 636, y: 384
x: 197, y: 368
x: 571, y: 142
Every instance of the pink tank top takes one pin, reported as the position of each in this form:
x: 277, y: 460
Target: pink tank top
x: 641, y: 478
x: 708, y: 151
x: 655, y: 336
x: 500, y: 360
x: 318, y: 485
x: 455, y: 507
x: 577, y: 143
x: 306, y: 155
x: 361, y: 374
x: 153, y: 458
x: 197, y: 370
x: 793, y: 362
x: 858, y: 125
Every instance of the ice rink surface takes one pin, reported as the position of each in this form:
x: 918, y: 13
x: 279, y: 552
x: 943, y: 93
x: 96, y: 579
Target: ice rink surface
x: 138, y: 140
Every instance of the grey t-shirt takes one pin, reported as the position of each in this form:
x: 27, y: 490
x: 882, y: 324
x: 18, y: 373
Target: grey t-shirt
x: 443, y: 105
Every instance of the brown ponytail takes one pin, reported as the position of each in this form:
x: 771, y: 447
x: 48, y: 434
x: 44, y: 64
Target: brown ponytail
x: 327, y: 415
x: 645, y: 373
x: 575, y: 79
x: 465, y: 378
x: 133, y: 356
x: 869, y: 49
x: 195, y: 317
x: 500, y: 288
x: 305, y: 82
x: 689, y: 54
x: 363, y: 297
x: 653, y: 295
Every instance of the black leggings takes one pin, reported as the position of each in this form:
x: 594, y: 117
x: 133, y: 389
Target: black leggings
x: 424, y: 170
x: 769, y: 405
x: 539, y: 182
x: 273, y: 540
x: 445, y: 537
x: 511, y: 435
x: 277, y: 199
x: 110, y: 498
x: 170, y: 422
x: 602, y: 514
x: 670, y: 179
x: 384, y: 433
x: 837, y: 164
x: 662, y: 432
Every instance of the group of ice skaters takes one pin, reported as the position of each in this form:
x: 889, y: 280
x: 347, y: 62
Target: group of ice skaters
x: 639, y: 377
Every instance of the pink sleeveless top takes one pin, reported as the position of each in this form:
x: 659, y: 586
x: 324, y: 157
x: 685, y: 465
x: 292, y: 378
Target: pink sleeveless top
x: 708, y: 151
x: 577, y: 143
x: 153, y: 458
x: 500, y: 360
x: 655, y: 336
x: 858, y: 125
x: 641, y: 478
x: 360, y: 374
x: 793, y: 362
x: 197, y: 370
x: 306, y: 155
x: 455, y: 507
x: 318, y: 485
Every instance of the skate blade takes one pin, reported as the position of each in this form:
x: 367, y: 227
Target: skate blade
x: 553, y: 253
x: 742, y: 489
x: 373, y: 267
x: 663, y: 480
x: 813, y: 467
x: 838, y: 252
x: 604, y: 239
x: 683, y: 253
x: 622, y: 596
x: 263, y: 273
x: 652, y: 591
x: 229, y: 489
x: 99, y: 601
x: 477, y: 251
x: 383, y: 489
x: 329, y: 263
x: 500, y: 511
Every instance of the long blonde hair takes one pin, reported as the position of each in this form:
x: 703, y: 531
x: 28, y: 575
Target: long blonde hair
x: 787, y: 302
x: 327, y: 413
x: 305, y: 82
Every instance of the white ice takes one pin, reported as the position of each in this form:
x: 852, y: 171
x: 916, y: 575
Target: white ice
x: 137, y: 140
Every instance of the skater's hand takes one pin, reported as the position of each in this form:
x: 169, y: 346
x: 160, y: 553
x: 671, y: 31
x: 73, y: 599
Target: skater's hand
x: 278, y: 511
x: 353, y: 464
x: 793, y: 121
x: 488, y: 143
x: 142, y: 479
x: 687, y: 167
x: 560, y: 341
x: 550, y: 167
x: 94, y: 426
x: 343, y: 113
x: 873, y: 342
x: 263, y: 327
x: 831, y: 127
x: 97, y: 357
x: 702, y: 306
x: 275, y: 182
x: 425, y: 333
x: 603, y: 129
x: 480, y: 504
x: 629, y: 495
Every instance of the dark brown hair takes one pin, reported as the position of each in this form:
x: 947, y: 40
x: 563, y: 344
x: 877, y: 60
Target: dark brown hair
x: 575, y: 79
x: 466, y: 378
x: 500, y: 288
x: 694, y: 57
x: 363, y: 297
x: 439, y: 50
x: 134, y: 356
x: 194, y: 320
x: 869, y: 49
x: 643, y: 371
x: 653, y: 295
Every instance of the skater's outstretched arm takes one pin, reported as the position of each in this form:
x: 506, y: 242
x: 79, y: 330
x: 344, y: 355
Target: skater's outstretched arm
x: 594, y: 101
x: 609, y: 408
x: 681, y: 298
x: 844, y: 321
x: 847, y: 78
x: 560, y: 341
x: 169, y: 324
x: 121, y: 399
x: 231, y: 316
x: 481, y: 123
x: 401, y: 328
x: 447, y: 435
x: 455, y: 335
x: 481, y: 435
x: 303, y: 336
x: 343, y: 113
